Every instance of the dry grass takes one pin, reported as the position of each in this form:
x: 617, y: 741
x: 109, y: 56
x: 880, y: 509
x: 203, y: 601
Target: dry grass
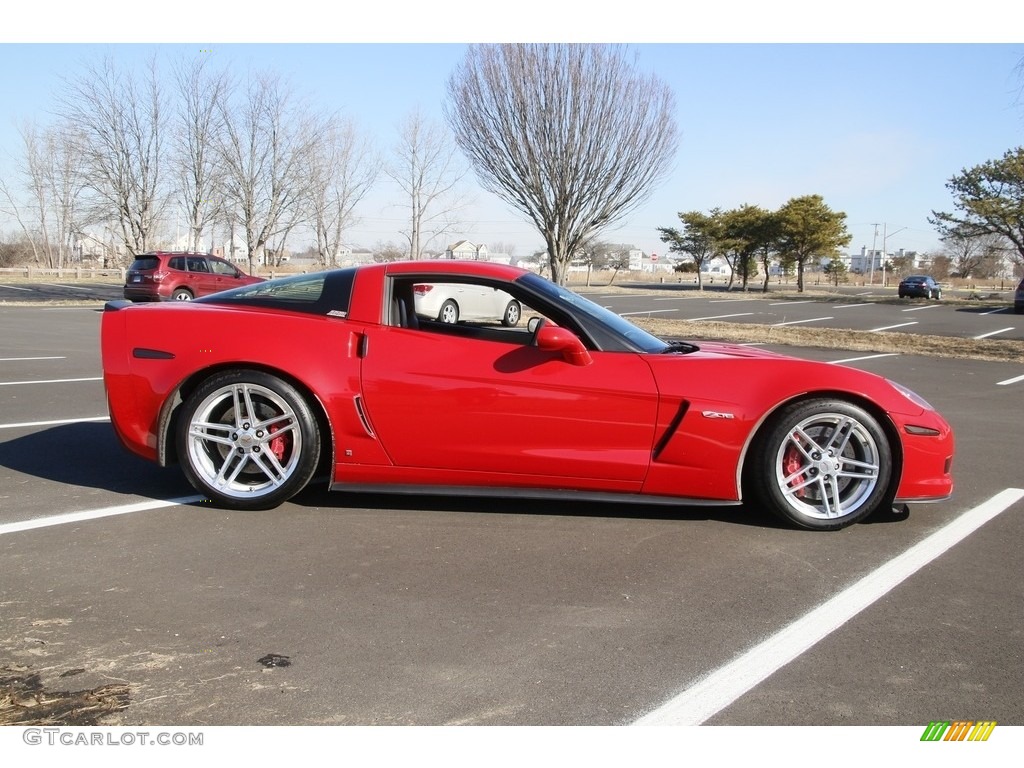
x: 1000, y: 350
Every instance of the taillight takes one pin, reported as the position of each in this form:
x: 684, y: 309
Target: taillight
x: 422, y: 289
x: 158, y: 276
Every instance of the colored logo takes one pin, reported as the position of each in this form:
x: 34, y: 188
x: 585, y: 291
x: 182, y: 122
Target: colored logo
x: 958, y: 730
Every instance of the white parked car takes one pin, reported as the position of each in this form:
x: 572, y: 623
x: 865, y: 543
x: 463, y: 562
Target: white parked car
x: 452, y: 302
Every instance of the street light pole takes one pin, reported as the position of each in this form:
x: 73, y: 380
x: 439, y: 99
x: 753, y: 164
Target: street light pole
x: 885, y: 253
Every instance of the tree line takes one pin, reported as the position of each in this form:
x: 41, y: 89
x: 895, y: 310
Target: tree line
x: 200, y: 152
x: 751, y: 238
x: 573, y: 137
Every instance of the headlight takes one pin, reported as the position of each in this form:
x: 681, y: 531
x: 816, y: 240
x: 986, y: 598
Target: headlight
x: 912, y: 396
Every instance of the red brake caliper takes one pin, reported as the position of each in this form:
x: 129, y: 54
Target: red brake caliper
x: 792, y: 462
x: 278, y: 445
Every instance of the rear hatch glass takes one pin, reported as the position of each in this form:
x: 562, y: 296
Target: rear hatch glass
x: 144, y: 264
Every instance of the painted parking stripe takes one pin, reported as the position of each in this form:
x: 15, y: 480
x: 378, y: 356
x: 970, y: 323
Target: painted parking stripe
x: 68, y: 287
x: 991, y: 333
x: 17, y: 359
x: 798, y: 322
x: 918, y: 309
x: 853, y: 306
x: 725, y: 685
x: 647, y: 312
x: 16, y: 288
x: 49, y: 381
x: 1010, y: 381
x: 30, y: 424
x: 95, y: 514
x: 996, y: 311
x: 789, y: 303
x: 866, y: 357
x: 890, y: 327
x: 719, y: 317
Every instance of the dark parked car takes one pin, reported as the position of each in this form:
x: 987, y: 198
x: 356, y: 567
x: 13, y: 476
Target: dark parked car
x: 1018, y: 299
x: 171, y: 276
x: 921, y: 286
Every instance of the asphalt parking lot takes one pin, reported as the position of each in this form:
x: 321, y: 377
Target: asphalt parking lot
x: 346, y: 609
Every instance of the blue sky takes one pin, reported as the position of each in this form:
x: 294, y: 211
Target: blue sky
x: 876, y: 128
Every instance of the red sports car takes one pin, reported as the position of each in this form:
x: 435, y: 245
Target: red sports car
x: 256, y: 390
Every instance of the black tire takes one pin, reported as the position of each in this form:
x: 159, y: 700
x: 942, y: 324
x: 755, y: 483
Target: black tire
x: 902, y: 295
x: 449, y: 312
x: 513, y: 313
x: 182, y: 294
x: 822, y: 465
x: 248, y: 440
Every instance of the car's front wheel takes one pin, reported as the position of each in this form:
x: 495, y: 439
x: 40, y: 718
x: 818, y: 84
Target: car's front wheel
x: 822, y: 464
x: 248, y: 440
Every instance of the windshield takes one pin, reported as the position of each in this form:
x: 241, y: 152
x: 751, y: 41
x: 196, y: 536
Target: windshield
x: 588, y: 310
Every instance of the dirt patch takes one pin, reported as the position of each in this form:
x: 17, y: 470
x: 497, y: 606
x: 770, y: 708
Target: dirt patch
x: 24, y: 700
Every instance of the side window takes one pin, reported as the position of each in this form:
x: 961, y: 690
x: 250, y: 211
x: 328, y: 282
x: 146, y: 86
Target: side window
x: 219, y: 267
x: 177, y: 262
x: 197, y: 264
x: 463, y: 308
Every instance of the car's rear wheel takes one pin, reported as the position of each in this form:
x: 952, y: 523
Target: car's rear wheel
x: 822, y: 464
x: 182, y: 294
x: 513, y: 311
x: 248, y: 440
x: 449, y: 312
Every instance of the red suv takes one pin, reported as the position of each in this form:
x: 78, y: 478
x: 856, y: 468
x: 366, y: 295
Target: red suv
x: 165, y: 276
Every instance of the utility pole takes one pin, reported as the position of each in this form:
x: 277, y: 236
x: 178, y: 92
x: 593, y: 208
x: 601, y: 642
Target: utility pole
x: 872, y: 257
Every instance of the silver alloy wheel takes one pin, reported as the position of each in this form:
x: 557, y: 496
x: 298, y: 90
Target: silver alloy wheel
x: 449, y: 312
x: 512, y: 314
x: 182, y: 295
x: 828, y: 467
x: 244, y: 440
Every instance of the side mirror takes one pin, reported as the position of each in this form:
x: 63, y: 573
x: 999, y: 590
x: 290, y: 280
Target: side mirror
x: 554, y: 338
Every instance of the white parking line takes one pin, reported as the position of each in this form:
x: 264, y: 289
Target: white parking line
x: 890, y: 327
x: 15, y: 359
x: 790, y: 303
x: 64, y: 285
x: 95, y: 514
x: 867, y: 357
x: 991, y: 333
x: 918, y: 309
x: 996, y: 311
x: 647, y: 312
x: 49, y: 381
x: 798, y: 322
x: 725, y: 685
x: 1009, y: 381
x: 16, y: 288
x: 719, y: 317
x: 27, y: 424
x: 853, y: 306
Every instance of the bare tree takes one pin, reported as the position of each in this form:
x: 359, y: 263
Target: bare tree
x: 426, y: 166
x: 573, y: 136
x: 52, y: 180
x: 342, y: 168
x: 267, y: 141
x: 199, y: 131
x: 121, y: 118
